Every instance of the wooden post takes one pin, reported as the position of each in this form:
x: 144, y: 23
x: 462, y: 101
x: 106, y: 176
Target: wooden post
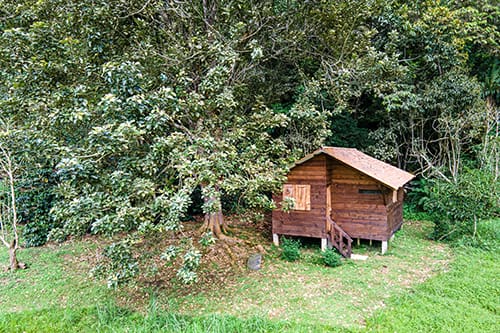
x: 384, y: 247
x: 324, y: 244
x: 276, y: 239
x: 358, y: 242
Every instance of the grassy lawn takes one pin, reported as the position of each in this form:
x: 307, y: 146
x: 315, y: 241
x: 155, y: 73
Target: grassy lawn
x: 465, y: 299
x: 418, y: 286
x: 55, y: 278
x: 309, y: 293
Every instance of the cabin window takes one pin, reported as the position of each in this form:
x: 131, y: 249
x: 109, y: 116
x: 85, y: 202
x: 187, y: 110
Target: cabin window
x: 301, y: 195
x: 364, y: 191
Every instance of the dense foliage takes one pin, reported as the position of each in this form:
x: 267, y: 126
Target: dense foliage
x: 290, y: 249
x: 457, y: 207
x: 331, y: 258
x: 127, y: 109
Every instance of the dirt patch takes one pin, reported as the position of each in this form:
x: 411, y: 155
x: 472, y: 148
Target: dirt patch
x: 222, y: 263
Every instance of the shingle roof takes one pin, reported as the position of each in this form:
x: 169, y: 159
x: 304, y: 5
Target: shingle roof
x: 385, y: 173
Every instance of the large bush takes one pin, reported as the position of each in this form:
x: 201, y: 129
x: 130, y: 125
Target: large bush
x: 456, y: 207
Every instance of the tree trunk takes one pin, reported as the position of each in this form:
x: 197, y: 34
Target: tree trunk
x: 214, y: 221
x: 13, y: 263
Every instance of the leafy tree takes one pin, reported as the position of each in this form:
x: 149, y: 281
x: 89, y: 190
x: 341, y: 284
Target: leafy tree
x: 136, y: 107
x: 128, y: 108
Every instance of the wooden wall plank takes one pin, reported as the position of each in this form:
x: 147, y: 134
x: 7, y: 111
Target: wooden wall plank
x: 309, y: 223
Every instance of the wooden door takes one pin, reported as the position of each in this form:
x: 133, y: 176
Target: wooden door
x: 328, y: 205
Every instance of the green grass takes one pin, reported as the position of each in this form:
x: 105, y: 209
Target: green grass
x: 111, y: 318
x: 384, y: 294
x: 465, y: 299
x: 309, y: 293
x: 53, y: 279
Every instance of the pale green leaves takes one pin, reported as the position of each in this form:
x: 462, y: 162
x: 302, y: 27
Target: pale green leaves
x: 190, y: 261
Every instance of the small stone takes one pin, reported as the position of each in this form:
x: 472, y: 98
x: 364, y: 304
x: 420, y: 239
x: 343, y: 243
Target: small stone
x: 359, y: 257
x: 254, y: 262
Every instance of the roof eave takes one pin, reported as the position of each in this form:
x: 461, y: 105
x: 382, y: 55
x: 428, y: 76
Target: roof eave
x: 392, y: 186
x: 308, y: 157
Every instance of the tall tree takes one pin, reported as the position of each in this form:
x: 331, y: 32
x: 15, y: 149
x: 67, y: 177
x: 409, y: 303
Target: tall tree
x: 131, y: 107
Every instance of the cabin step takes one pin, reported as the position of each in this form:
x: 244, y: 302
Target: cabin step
x: 339, y: 238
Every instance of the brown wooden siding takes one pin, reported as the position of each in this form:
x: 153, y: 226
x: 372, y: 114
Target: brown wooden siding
x: 361, y: 215
x: 305, y: 223
x: 395, y: 213
x: 368, y: 215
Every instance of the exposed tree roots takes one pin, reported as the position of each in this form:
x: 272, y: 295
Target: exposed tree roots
x: 215, y: 223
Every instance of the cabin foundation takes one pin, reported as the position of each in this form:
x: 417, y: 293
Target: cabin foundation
x: 324, y: 244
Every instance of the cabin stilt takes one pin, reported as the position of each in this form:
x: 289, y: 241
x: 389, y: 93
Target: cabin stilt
x: 324, y: 244
x: 384, y: 246
x: 276, y: 239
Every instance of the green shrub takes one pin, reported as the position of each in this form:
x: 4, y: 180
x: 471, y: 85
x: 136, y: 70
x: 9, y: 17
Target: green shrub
x: 411, y: 212
x: 487, y: 236
x: 35, y: 199
x: 118, y: 265
x: 457, y: 206
x: 290, y: 249
x: 331, y: 258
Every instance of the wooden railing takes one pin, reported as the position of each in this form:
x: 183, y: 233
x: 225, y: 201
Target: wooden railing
x: 339, y: 238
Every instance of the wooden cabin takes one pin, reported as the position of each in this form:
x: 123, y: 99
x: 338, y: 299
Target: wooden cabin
x: 341, y: 194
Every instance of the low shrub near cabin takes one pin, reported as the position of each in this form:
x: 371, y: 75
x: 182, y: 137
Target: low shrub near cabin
x: 487, y: 236
x: 456, y: 207
x: 331, y: 258
x: 290, y: 249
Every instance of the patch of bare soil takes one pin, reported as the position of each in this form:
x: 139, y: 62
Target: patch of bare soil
x: 221, y: 263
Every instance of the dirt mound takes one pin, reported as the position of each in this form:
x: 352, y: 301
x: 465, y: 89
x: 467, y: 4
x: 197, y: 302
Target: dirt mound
x: 221, y: 262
